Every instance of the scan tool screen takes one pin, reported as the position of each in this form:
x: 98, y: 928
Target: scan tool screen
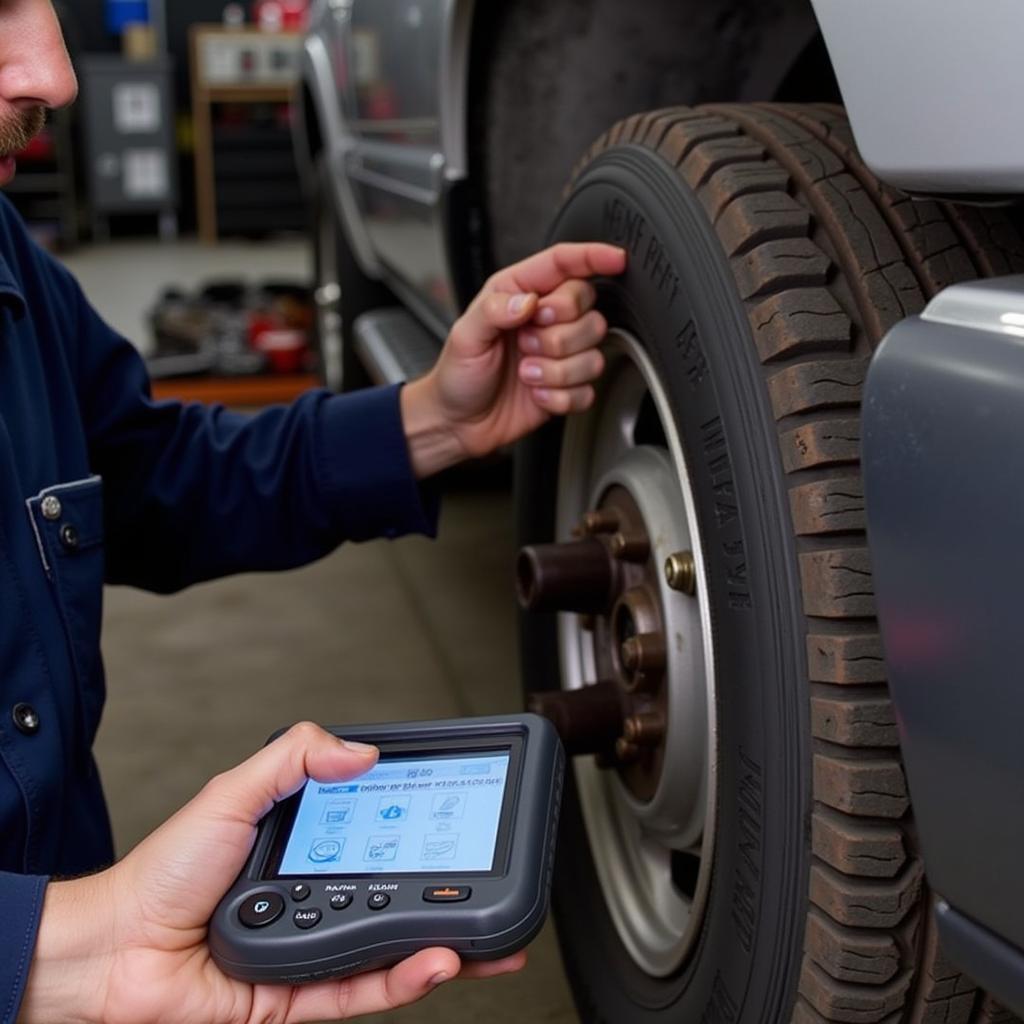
x: 407, y: 815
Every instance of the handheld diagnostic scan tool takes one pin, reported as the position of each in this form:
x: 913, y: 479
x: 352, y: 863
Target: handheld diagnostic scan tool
x: 447, y: 841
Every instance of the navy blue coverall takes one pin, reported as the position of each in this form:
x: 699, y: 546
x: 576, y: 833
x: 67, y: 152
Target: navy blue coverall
x: 99, y: 483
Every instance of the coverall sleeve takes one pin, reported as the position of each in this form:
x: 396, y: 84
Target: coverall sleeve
x: 21, y: 897
x: 194, y: 492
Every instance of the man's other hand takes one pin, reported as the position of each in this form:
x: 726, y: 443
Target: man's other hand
x: 128, y: 945
x: 526, y: 349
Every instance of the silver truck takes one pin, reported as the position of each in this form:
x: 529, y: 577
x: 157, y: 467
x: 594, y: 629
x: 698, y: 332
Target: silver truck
x: 776, y: 729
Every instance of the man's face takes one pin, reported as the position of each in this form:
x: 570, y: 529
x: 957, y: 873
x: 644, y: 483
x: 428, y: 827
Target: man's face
x: 35, y: 73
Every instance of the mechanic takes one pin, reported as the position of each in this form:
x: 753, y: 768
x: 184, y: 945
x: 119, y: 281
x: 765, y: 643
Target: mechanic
x: 100, y: 483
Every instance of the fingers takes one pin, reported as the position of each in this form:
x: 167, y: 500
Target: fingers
x: 379, y: 991
x: 566, y: 303
x: 280, y: 768
x: 514, y: 296
x: 564, y: 339
x: 493, y: 968
x: 375, y: 992
x: 546, y: 270
x: 572, y: 371
x: 562, y: 361
x: 489, y: 314
x: 561, y: 402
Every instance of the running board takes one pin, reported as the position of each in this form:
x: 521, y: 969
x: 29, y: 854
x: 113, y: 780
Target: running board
x: 394, y: 346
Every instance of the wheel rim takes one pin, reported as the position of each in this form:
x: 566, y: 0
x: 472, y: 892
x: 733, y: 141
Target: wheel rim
x: 653, y: 848
x: 327, y: 297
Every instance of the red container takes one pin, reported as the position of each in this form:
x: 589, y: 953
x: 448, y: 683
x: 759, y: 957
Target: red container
x: 285, y: 349
x: 290, y: 15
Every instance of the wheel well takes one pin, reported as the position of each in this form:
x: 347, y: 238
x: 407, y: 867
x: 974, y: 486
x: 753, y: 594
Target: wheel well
x: 546, y: 79
x: 811, y: 78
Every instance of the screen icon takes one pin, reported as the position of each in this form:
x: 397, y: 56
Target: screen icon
x: 323, y: 851
x: 448, y: 806
x: 440, y: 846
x: 393, y: 808
x: 338, y: 812
x: 381, y: 848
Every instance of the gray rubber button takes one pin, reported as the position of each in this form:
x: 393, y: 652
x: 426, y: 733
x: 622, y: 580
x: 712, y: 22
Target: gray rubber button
x: 261, y: 909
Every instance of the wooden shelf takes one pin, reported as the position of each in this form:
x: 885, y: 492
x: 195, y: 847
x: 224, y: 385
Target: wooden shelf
x: 265, y: 389
x: 208, y: 91
x: 249, y: 93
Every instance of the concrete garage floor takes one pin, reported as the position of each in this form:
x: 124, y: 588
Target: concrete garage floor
x: 378, y: 631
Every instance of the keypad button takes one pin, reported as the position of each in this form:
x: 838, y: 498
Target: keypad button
x: 260, y: 909
x: 300, y: 891
x: 26, y: 719
x: 341, y: 900
x: 378, y: 900
x: 307, y: 918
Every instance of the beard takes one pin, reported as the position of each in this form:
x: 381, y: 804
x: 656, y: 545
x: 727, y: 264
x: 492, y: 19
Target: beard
x: 20, y: 129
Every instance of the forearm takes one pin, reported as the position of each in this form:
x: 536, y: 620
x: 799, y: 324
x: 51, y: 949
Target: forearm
x: 73, y: 954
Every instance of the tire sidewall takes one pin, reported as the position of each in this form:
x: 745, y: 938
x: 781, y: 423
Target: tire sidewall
x: 679, y: 298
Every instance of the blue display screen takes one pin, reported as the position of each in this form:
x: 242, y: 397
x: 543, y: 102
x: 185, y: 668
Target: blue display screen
x: 423, y: 814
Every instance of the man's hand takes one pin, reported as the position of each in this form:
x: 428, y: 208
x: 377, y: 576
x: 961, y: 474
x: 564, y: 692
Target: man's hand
x: 526, y: 349
x: 128, y: 946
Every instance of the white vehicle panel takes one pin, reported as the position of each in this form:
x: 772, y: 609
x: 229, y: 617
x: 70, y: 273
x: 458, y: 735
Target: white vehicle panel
x: 933, y: 89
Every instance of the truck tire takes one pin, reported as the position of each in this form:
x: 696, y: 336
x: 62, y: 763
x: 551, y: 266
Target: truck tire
x: 342, y: 292
x: 779, y: 878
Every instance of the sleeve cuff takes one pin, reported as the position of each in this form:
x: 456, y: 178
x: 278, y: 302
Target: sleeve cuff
x: 21, y: 896
x: 366, y: 475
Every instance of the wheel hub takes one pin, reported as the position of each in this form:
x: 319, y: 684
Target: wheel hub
x: 635, y: 643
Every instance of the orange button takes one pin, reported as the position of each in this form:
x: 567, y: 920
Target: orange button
x: 449, y: 894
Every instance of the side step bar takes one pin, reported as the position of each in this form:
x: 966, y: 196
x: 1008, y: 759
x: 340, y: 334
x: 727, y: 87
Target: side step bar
x: 394, y: 346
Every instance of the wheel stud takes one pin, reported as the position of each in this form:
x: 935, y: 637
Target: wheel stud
x: 680, y: 572
x: 630, y: 654
x: 644, y: 652
x: 630, y: 549
x: 644, y: 729
x: 602, y: 521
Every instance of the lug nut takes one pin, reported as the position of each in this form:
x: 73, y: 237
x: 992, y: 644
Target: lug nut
x: 602, y: 521
x: 630, y: 549
x: 574, y: 577
x: 643, y: 729
x: 626, y: 751
x: 587, y: 719
x: 680, y: 572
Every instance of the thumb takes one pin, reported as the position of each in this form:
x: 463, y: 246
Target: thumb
x: 187, y: 864
x: 277, y: 771
x: 491, y: 313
